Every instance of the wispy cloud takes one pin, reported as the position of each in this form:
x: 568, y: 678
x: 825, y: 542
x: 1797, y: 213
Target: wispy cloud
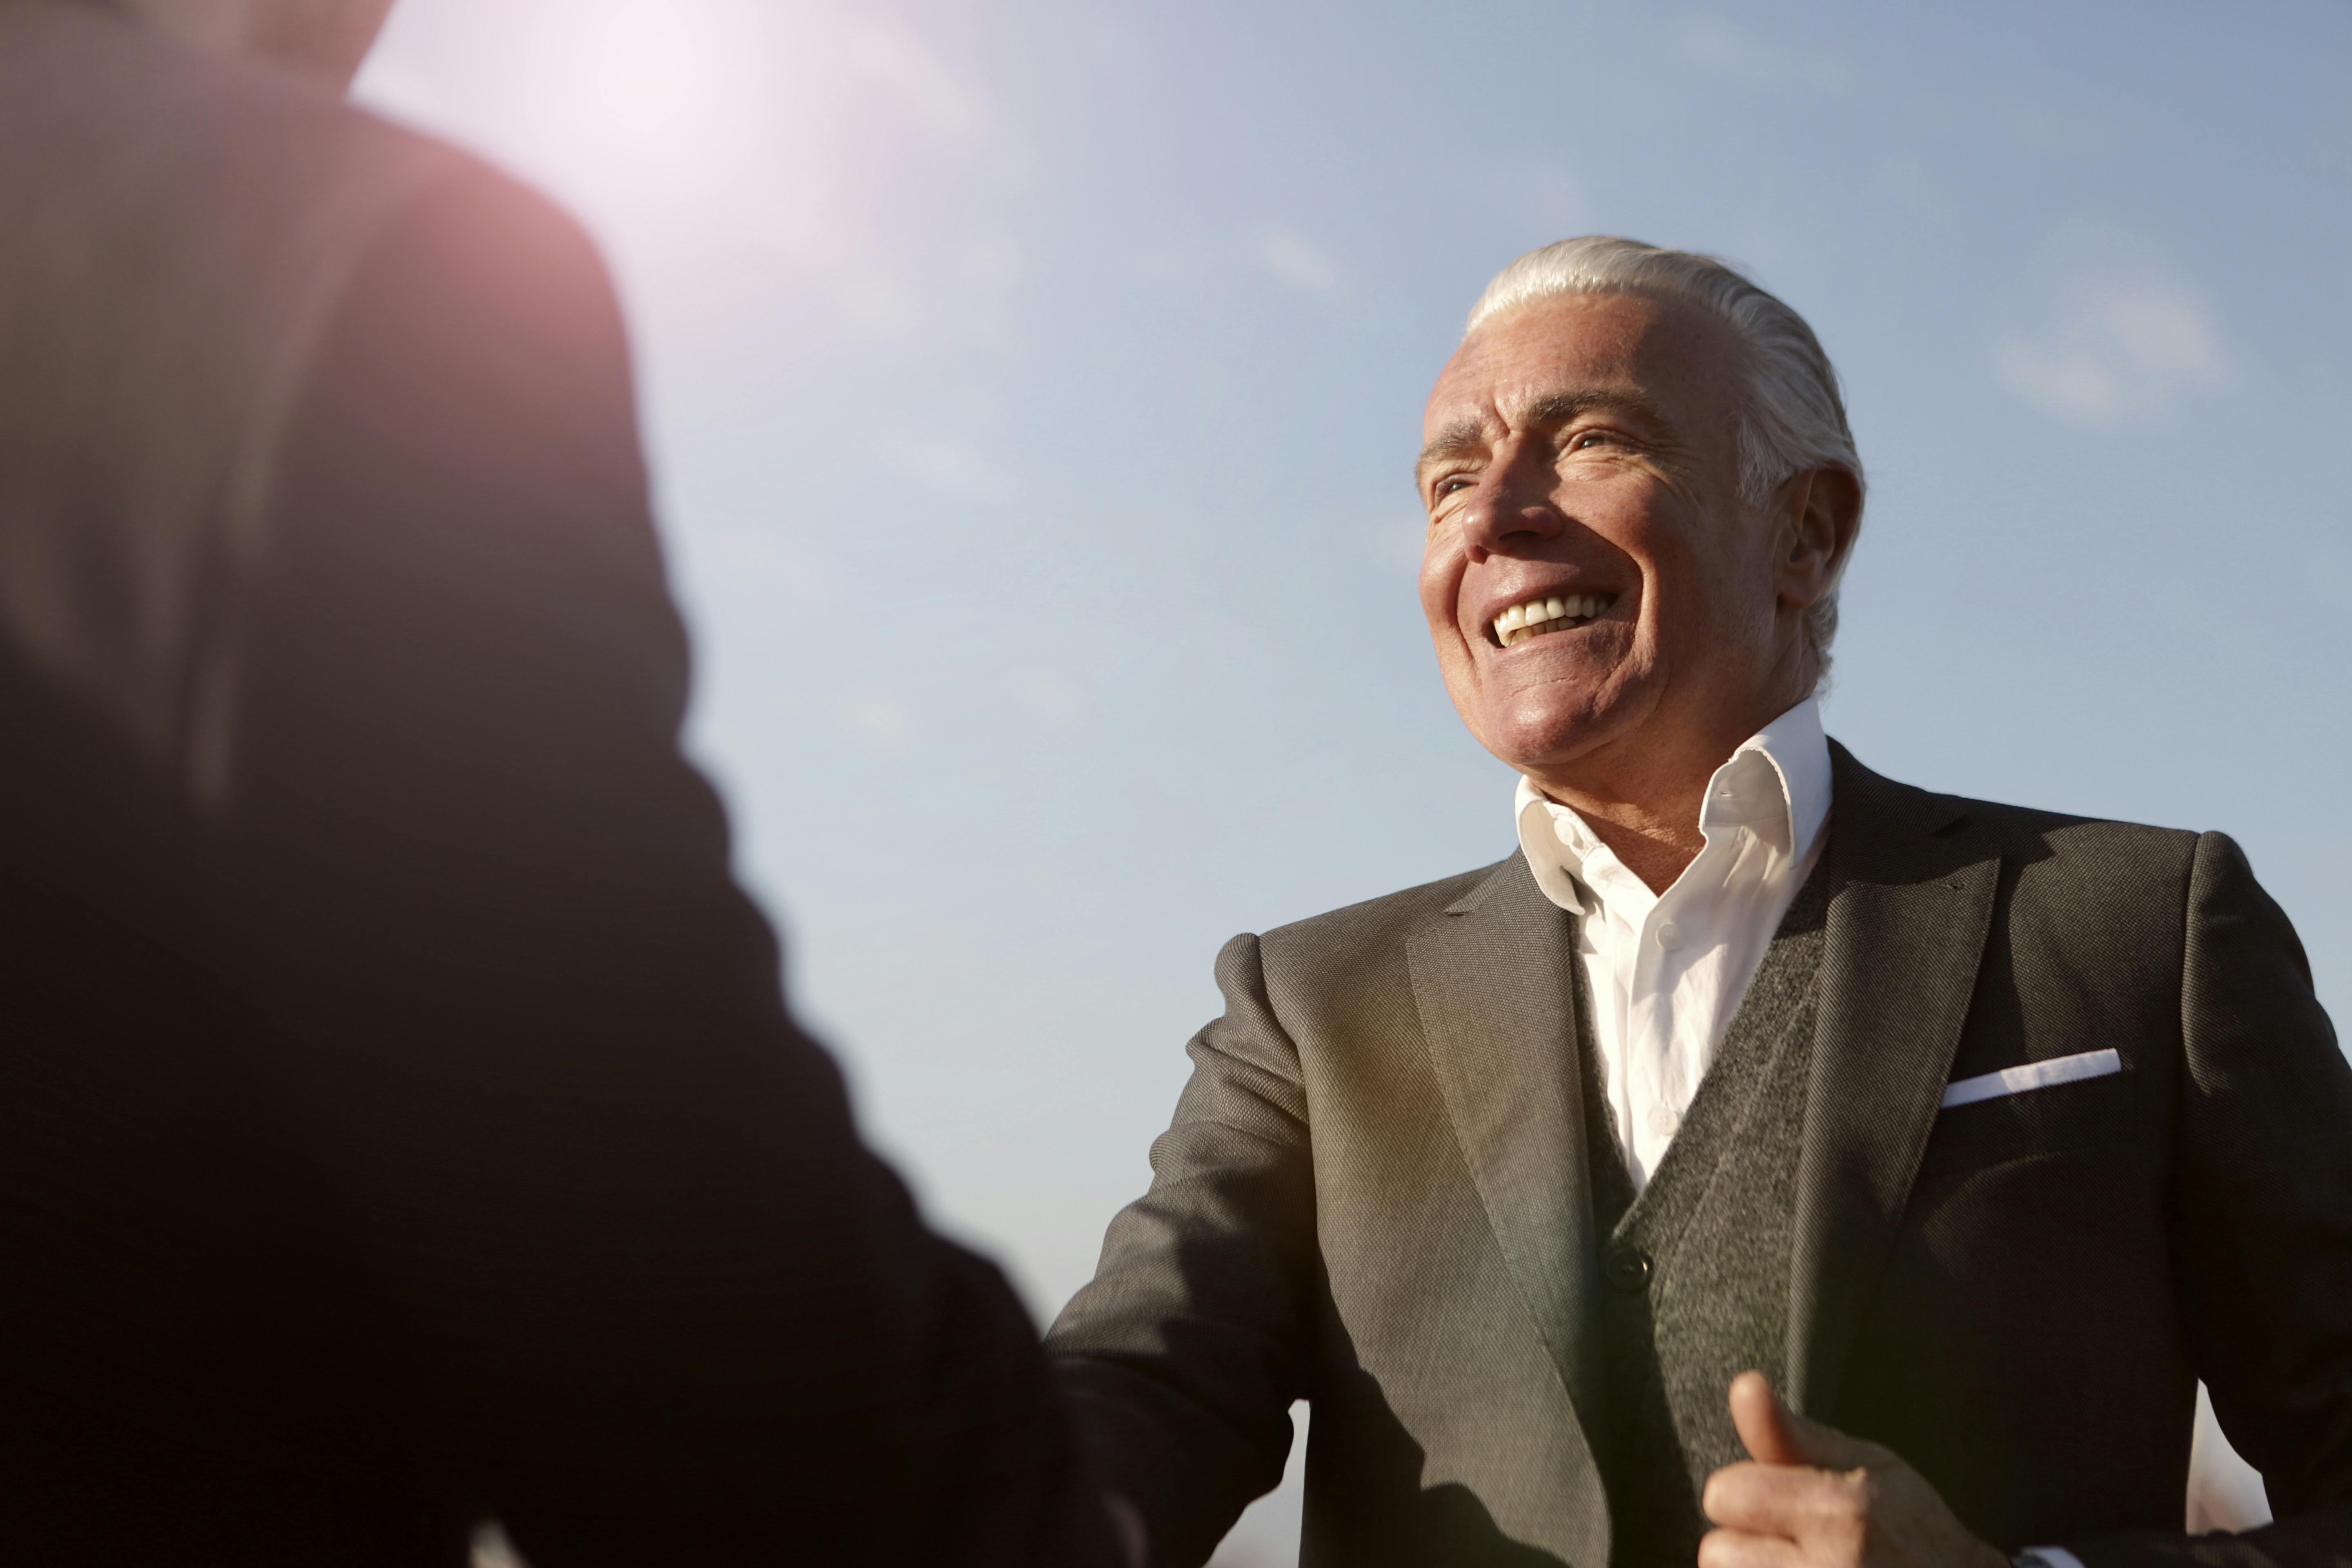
x: 1169, y: 264
x: 896, y: 60
x: 2115, y: 352
x: 872, y: 293
x: 2047, y: 133
x: 879, y: 721
x: 1302, y: 264
x: 1400, y: 545
x: 763, y: 559
x: 1054, y: 694
x: 957, y: 467
x: 1551, y: 202
x: 1727, y: 49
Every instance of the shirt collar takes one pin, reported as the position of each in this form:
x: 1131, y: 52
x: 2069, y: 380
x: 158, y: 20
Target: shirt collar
x: 1777, y: 782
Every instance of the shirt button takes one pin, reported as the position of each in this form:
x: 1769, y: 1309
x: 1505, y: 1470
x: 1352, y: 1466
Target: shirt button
x: 1628, y: 1268
x: 1670, y: 936
x: 1663, y: 1120
x: 1562, y: 831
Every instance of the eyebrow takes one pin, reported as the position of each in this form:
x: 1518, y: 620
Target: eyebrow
x: 1557, y: 409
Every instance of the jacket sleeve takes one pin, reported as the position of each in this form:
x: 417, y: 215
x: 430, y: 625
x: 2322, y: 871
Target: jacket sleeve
x: 2263, y: 1218
x: 654, y: 1300
x: 1183, y: 1356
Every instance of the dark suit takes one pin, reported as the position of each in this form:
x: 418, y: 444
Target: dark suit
x: 1378, y: 1195
x: 400, y: 1120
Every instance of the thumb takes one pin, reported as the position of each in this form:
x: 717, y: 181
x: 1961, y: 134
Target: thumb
x: 1776, y: 1435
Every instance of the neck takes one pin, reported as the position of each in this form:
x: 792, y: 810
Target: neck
x: 1657, y: 838
x: 1641, y: 796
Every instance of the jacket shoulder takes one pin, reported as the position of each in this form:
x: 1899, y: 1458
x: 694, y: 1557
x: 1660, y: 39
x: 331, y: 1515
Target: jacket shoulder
x: 109, y: 118
x: 2053, y: 852
x: 2068, y: 834
x: 1358, y: 932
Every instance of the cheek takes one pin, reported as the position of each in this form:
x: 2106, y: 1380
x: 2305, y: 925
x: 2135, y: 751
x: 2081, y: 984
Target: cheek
x: 1735, y: 594
x: 1641, y: 527
x: 1695, y: 585
x: 1441, y: 583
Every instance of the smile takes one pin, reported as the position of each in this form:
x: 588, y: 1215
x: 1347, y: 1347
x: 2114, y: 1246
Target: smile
x: 1557, y: 614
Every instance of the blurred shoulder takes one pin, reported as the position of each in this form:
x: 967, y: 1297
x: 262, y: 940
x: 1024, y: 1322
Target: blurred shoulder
x: 192, y: 243
x: 231, y: 181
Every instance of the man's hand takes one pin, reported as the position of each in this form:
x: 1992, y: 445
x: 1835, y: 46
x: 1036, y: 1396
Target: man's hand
x: 1812, y: 1497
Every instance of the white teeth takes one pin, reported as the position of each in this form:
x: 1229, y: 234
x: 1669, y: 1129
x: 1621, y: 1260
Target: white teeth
x: 1522, y: 621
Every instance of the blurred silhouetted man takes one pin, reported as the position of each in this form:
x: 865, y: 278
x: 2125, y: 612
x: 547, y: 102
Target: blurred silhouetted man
x: 1983, y: 1132
x: 400, y: 1121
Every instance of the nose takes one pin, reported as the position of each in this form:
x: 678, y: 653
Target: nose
x: 1510, y: 511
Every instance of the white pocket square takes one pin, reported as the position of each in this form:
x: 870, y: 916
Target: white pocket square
x: 2032, y: 1075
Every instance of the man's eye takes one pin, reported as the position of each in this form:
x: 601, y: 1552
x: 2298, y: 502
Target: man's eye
x: 1446, y: 487
x: 1584, y: 438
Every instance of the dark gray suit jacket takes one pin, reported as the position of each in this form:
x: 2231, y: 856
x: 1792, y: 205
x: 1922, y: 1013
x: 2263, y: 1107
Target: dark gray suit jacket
x: 400, y: 1119
x: 1373, y: 1197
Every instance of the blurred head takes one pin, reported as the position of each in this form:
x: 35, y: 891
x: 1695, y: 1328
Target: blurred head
x: 324, y: 38
x: 1641, y: 492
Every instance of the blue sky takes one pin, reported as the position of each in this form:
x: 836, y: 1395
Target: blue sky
x: 1032, y: 387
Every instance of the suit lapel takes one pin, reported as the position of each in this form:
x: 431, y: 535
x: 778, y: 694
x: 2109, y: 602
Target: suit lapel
x: 1911, y: 905
x: 1491, y: 977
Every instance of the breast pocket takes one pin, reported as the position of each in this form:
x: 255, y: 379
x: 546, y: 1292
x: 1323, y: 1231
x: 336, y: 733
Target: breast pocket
x: 2047, y: 1107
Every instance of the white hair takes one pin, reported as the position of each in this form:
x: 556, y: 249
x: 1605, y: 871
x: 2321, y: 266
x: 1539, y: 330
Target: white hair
x: 1791, y: 417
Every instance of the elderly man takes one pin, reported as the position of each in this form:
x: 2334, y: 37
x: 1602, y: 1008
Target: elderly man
x: 401, y: 1123
x: 1978, y: 1134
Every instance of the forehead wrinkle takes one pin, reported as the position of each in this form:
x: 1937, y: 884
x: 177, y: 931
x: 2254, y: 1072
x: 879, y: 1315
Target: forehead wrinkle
x: 1470, y: 435
x: 1560, y: 407
x: 1462, y: 436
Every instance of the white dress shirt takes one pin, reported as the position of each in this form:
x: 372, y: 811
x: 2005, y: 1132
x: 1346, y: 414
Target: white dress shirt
x: 1667, y: 969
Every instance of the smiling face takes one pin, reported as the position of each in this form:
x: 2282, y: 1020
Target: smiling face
x: 1604, y: 606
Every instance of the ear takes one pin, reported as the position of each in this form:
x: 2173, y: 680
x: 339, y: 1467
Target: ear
x: 1815, y: 517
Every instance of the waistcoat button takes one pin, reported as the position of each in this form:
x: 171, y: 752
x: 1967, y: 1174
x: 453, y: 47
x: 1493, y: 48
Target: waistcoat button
x: 1628, y: 1268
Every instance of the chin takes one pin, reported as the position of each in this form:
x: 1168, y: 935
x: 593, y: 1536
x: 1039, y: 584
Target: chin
x: 1533, y: 737
x: 1553, y: 723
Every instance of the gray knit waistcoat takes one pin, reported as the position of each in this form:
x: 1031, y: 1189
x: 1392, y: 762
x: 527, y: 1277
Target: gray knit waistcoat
x: 1695, y: 1275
